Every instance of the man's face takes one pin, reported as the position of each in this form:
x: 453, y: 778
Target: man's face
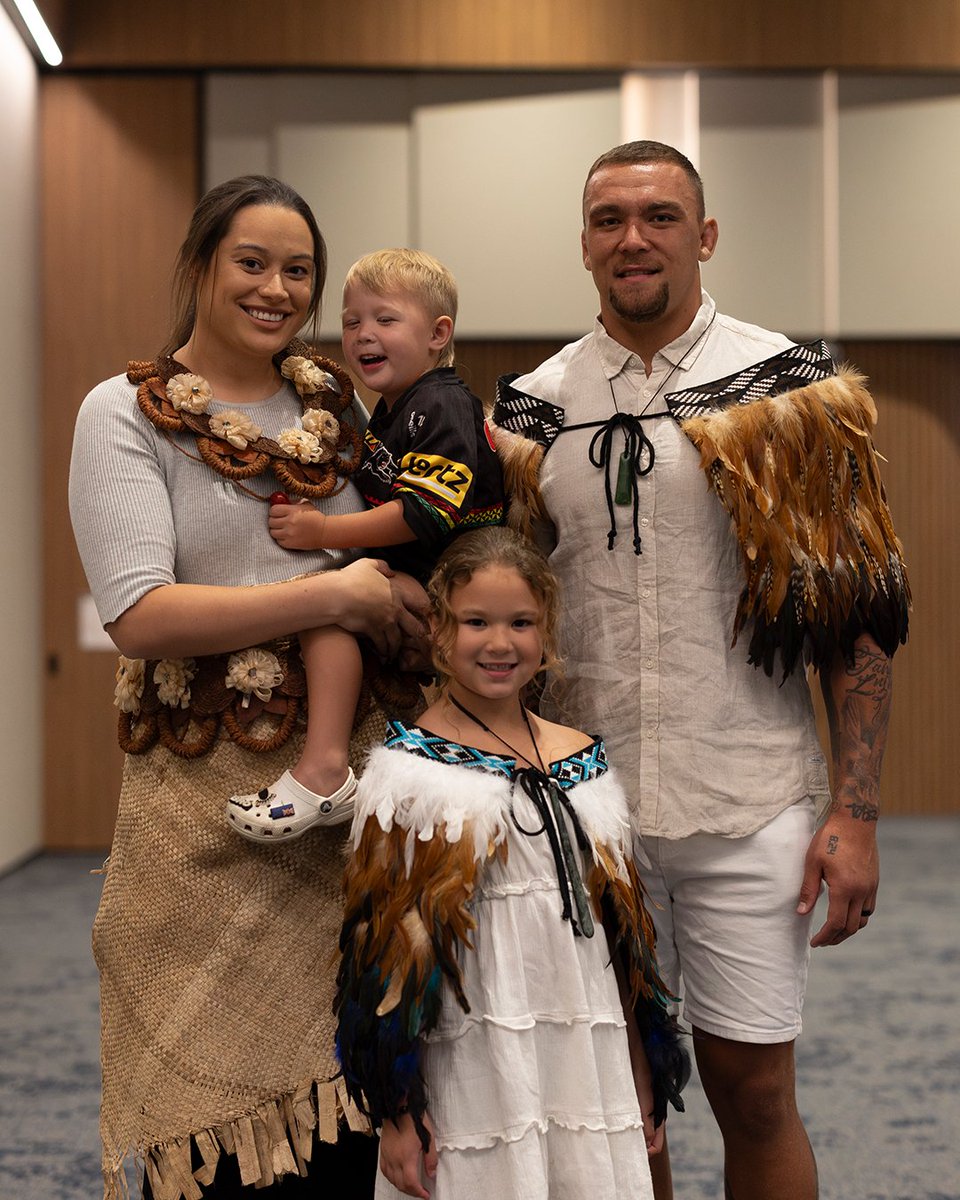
x: 643, y: 241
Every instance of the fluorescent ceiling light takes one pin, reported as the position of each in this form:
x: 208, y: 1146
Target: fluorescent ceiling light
x: 39, y: 32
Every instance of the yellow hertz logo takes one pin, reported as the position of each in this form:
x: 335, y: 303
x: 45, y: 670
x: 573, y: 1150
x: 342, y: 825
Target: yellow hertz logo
x: 428, y: 472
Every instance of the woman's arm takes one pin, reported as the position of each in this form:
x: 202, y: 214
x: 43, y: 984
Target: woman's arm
x: 181, y: 619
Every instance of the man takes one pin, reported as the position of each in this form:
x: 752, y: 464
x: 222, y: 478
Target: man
x: 721, y: 760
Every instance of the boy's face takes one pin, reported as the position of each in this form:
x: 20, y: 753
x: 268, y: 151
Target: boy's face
x: 389, y: 340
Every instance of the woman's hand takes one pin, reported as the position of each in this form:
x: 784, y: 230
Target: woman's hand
x: 371, y: 604
x: 401, y: 1155
x: 415, y: 650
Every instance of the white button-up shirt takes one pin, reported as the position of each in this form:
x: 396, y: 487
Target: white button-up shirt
x: 703, y: 741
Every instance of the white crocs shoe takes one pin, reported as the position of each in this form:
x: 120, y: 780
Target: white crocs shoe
x: 286, y: 809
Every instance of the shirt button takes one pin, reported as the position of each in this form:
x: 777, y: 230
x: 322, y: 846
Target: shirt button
x: 645, y: 593
x: 644, y: 521
x: 651, y: 733
x: 649, y: 664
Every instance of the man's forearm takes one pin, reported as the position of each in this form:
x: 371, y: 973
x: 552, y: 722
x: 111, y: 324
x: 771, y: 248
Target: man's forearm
x: 857, y: 697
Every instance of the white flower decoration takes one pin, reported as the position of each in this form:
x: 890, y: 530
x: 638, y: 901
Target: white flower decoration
x: 191, y: 393
x: 234, y: 427
x: 300, y: 444
x: 306, y: 375
x: 254, y: 673
x: 129, y: 689
x: 322, y: 424
x: 173, y: 677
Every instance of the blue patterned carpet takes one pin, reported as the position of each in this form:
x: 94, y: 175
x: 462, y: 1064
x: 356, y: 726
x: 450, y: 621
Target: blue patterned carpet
x: 879, y: 1059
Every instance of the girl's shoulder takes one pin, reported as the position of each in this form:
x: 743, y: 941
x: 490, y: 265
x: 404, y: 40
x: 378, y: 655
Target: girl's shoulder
x: 558, y: 743
x: 425, y: 789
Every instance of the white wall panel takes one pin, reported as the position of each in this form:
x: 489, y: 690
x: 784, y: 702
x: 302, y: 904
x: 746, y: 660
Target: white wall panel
x: 838, y: 224
x: 900, y: 206
x: 21, y: 797
x: 762, y: 168
x: 356, y: 180
x: 499, y: 187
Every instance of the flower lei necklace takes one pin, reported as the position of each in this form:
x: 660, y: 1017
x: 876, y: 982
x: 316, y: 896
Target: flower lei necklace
x: 307, y: 461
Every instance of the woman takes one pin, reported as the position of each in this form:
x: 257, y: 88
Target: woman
x: 214, y: 953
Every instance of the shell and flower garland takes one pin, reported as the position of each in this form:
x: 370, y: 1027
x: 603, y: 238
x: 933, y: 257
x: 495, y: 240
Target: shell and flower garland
x: 184, y: 701
x: 188, y: 703
x: 308, y: 461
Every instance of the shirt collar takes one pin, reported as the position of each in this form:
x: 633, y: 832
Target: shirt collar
x: 615, y: 358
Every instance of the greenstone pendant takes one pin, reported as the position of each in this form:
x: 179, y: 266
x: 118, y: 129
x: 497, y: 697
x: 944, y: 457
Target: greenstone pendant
x: 624, y: 492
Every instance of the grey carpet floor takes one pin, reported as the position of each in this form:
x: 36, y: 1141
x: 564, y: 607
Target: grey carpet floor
x: 878, y: 1062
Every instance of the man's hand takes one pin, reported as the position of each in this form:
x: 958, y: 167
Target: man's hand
x: 844, y: 856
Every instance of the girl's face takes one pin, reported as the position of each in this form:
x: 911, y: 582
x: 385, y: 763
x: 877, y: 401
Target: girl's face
x: 255, y: 293
x: 498, y: 645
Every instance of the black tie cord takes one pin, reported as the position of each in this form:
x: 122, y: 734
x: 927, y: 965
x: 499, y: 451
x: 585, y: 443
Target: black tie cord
x: 550, y: 802
x: 636, y: 460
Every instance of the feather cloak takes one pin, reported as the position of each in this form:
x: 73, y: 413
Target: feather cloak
x: 799, y: 476
x: 423, y: 833
x: 798, y: 473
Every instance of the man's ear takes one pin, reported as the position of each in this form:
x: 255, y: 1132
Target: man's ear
x: 709, y: 233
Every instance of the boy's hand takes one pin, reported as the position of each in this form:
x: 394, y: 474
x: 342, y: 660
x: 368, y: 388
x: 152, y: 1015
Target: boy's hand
x: 401, y: 1155
x: 297, y: 526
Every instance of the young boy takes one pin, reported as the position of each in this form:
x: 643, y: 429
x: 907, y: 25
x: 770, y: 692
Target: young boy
x: 428, y: 471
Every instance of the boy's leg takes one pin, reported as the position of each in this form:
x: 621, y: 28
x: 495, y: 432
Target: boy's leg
x: 320, y: 789
x: 334, y: 669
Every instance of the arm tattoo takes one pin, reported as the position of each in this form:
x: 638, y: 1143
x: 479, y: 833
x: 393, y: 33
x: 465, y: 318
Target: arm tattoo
x: 857, y: 697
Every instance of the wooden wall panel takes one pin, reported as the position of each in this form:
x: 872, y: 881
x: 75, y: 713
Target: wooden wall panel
x: 502, y: 34
x: 56, y: 14
x: 916, y: 385
x: 119, y: 180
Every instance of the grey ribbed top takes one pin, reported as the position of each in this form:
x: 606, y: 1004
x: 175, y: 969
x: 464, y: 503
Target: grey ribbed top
x: 146, y: 514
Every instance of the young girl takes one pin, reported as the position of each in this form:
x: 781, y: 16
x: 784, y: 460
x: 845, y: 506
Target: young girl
x: 498, y: 986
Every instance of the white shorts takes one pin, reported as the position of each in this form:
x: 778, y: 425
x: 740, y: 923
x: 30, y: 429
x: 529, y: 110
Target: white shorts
x: 727, y: 926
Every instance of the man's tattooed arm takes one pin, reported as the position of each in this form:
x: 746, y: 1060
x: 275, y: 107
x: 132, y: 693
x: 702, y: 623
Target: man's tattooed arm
x: 857, y: 698
x: 843, y: 854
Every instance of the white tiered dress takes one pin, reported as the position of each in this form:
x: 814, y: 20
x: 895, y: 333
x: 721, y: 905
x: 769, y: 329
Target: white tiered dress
x: 531, y: 1093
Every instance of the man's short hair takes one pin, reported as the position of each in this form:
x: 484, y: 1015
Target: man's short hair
x: 633, y: 153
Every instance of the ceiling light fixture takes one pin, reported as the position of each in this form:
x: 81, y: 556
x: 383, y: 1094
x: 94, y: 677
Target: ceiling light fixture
x: 44, y: 39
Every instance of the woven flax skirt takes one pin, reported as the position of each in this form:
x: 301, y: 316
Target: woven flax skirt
x: 217, y: 965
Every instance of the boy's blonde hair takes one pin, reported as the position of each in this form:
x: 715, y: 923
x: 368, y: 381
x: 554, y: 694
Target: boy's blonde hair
x: 415, y: 272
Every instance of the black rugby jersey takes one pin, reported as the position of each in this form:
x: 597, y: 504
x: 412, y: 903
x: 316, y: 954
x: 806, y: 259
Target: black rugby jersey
x: 434, y: 453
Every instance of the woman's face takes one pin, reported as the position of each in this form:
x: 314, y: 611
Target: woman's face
x: 255, y: 293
